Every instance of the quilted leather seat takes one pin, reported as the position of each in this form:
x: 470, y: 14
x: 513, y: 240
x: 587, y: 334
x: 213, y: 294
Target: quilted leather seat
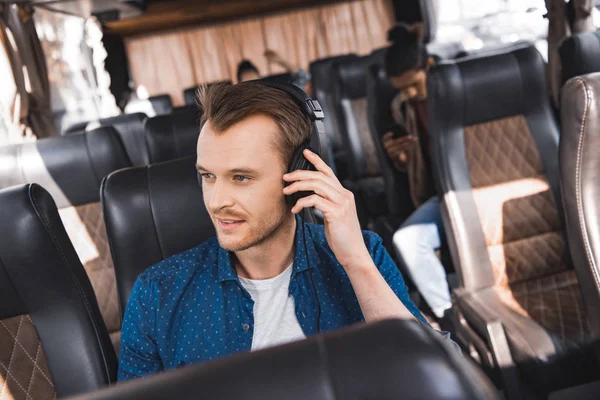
x: 495, y: 146
x: 71, y: 169
x: 579, y: 167
x: 53, y: 341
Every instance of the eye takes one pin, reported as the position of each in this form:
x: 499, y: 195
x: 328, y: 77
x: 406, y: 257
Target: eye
x: 207, y: 176
x: 241, y: 178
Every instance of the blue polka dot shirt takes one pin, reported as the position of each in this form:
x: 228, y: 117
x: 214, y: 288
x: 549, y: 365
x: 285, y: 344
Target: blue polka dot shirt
x: 191, y: 307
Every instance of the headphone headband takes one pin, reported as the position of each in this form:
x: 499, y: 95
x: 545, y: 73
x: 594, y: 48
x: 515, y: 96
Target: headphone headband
x: 311, y: 107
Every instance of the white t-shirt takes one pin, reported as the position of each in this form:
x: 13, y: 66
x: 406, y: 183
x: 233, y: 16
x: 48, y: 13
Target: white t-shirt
x: 275, y: 319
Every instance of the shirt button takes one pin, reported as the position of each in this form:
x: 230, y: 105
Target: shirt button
x: 239, y: 289
x: 245, y: 327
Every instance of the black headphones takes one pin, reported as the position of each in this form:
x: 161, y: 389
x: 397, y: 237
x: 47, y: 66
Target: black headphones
x: 313, y: 110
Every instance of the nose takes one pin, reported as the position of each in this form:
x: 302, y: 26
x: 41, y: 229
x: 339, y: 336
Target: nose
x: 219, y: 196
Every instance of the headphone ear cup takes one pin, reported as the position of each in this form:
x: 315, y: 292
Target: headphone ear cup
x: 299, y: 162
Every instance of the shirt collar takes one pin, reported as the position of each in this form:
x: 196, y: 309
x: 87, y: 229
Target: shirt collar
x: 226, y: 271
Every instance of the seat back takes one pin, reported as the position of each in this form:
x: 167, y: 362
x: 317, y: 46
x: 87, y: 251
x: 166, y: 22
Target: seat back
x: 350, y: 98
x: 579, y: 55
x: 71, y: 169
x: 52, y: 337
x: 152, y: 213
x: 152, y: 106
x: 494, y: 150
x: 322, y: 73
x: 173, y: 136
x: 380, y: 93
x: 579, y: 166
x: 130, y: 128
x: 386, y: 360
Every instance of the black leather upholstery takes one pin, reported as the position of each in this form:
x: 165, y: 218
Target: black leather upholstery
x: 70, y: 167
x: 152, y: 213
x: 580, y: 182
x: 189, y: 94
x: 131, y: 129
x: 363, y: 169
x: 350, y: 84
x: 173, y: 136
x: 285, y: 77
x: 41, y: 275
x: 387, y: 360
x: 162, y: 104
x: 380, y: 93
x: 579, y: 55
x: 152, y: 106
x: 322, y: 73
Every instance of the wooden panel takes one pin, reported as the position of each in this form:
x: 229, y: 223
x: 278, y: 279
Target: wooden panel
x: 173, y: 14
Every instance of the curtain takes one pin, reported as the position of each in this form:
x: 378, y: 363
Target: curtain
x: 27, y: 56
x: 168, y: 63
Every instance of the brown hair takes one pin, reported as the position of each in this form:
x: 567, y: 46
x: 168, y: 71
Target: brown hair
x: 224, y: 105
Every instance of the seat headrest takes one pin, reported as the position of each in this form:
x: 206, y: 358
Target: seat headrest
x: 390, y: 359
x: 352, y: 75
x: 579, y: 55
x: 131, y: 130
x: 152, y: 213
x: 173, y: 136
x: 498, y: 86
x: 70, y: 167
x: 41, y: 277
x: 322, y: 72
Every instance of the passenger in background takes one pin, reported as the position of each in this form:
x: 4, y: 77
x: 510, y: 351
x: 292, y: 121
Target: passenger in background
x: 417, y: 240
x: 248, y: 71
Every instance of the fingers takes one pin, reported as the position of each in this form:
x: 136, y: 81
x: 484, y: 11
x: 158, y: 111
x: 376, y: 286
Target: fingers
x: 322, y: 188
x: 319, y: 164
x: 387, y: 136
x: 321, y: 204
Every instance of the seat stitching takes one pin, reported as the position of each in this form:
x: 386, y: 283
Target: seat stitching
x: 37, y: 354
x: 25, y: 351
x: 582, y: 223
x: 10, y: 359
x: 12, y: 353
x: 10, y: 375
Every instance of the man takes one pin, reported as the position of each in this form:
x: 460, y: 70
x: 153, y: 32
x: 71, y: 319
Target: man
x: 421, y: 234
x: 266, y: 278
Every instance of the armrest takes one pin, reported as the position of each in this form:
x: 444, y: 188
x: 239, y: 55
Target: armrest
x: 527, y: 339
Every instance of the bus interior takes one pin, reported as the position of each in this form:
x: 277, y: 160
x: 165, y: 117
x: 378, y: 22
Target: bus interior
x: 99, y: 120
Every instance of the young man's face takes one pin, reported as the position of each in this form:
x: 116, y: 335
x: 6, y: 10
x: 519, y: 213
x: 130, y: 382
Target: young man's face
x: 242, y: 181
